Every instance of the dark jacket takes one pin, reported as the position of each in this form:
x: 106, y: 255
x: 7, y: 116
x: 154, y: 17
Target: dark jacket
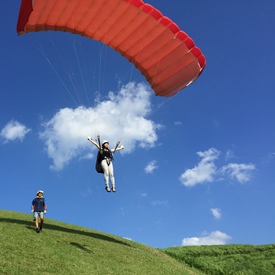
x: 39, y: 204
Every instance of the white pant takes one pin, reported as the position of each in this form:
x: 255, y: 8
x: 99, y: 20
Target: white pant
x: 108, y: 172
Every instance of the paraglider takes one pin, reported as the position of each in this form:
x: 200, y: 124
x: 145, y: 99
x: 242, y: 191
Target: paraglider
x: 164, y: 54
x: 104, y: 161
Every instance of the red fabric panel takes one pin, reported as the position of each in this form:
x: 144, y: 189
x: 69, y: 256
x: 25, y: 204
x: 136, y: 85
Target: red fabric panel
x: 164, y: 54
x: 24, y: 13
x: 153, y: 11
x: 137, y: 3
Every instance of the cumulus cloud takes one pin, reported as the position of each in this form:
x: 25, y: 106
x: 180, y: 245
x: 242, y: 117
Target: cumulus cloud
x: 241, y: 172
x: 204, y: 171
x: 216, y: 212
x: 150, y: 167
x: 116, y: 118
x: 214, y: 238
x: 14, y: 130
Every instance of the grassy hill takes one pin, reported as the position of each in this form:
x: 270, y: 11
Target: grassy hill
x: 67, y: 249
x: 235, y: 259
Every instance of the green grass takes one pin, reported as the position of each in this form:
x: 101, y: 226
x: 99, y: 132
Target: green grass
x: 227, y: 259
x: 67, y: 249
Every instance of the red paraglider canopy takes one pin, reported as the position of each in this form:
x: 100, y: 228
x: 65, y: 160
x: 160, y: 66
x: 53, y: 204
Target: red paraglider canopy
x: 163, y: 53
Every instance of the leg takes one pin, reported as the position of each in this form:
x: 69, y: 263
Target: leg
x: 36, y: 223
x: 41, y: 220
x: 112, y: 178
x: 35, y: 215
x: 105, y: 169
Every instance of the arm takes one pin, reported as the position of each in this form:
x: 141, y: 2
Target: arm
x: 117, y: 149
x: 94, y: 143
x: 33, y: 206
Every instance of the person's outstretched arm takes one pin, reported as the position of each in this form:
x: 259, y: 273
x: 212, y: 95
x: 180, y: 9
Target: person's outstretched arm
x: 117, y: 149
x: 94, y: 143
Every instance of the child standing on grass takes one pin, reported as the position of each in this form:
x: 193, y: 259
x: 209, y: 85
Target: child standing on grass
x: 39, y: 208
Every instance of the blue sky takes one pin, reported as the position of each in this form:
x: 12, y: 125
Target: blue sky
x: 198, y: 168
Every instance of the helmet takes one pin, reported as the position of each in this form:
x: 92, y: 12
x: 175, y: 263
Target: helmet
x: 105, y: 141
x: 39, y: 191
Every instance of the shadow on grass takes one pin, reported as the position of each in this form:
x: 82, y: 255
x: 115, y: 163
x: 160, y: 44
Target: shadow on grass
x: 82, y: 247
x: 30, y: 225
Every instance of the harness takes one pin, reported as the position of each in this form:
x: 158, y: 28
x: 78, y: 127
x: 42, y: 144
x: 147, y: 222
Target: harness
x: 101, y: 155
x: 107, y: 155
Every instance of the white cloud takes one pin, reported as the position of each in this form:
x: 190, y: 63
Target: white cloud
x: 87, y: 156
x: 216, y: 212
x: 150, y: 167
x: 229, y: 155
x: 178, y: 123
x: 239, y: 171
x: 214, y: 238
x: 116, y: 118
x: 204, y: 171
x: 127, y: 238
x: 158, y: 202
x: 14, y: 130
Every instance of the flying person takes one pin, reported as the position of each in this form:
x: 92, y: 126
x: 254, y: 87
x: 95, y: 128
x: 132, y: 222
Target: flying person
x: 39, y: 208
x: 104, y: 160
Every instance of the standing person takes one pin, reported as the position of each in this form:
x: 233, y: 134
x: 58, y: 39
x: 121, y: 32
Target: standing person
x: 39, y: 208
x: 104, y: 161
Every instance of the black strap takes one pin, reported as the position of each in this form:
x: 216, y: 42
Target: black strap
x: 98, y: 139
x: 116, y: 146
